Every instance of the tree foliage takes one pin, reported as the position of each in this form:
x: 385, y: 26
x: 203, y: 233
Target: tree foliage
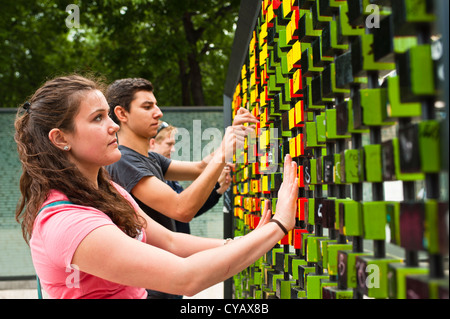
x: 181, y: 46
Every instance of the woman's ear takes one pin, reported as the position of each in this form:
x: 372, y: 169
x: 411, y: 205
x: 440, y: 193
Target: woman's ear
x: 58, y: 138
x: 121, y: 114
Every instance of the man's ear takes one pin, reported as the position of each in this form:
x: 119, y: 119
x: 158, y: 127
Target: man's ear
x: 121, y: 114
x: 58, y: 138
x: 152, y: 143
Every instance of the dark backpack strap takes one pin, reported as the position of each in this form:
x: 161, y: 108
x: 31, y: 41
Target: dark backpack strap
x: 60, y: 202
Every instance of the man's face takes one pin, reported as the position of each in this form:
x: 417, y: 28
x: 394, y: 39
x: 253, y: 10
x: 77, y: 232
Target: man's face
x: 166, y: 147
x: 144, y: 114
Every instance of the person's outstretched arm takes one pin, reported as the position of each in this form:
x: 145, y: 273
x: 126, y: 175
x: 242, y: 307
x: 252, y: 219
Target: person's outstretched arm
x: 180, y: 263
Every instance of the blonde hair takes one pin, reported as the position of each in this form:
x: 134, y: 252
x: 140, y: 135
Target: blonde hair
x: 165, y: 132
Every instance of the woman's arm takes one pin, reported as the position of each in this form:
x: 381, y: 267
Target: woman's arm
x: 108, y: 253
x: 180, y: 244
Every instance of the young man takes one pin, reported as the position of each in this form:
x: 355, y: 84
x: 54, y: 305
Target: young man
x: 164, y: 143
x: 143, y: 174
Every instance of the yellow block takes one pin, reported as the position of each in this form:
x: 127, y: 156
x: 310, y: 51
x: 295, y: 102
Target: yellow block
x: 293, y: 147
x: 265, y: 183
x: 299, y: 112
x: 291, y: 118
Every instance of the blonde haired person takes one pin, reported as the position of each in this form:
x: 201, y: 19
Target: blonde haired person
x: 164, y: 143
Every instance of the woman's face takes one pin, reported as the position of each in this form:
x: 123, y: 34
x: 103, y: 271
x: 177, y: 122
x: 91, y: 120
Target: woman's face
x: 93, y: 142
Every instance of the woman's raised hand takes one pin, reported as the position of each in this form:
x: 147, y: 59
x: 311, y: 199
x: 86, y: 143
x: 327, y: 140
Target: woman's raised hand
x: 286, y: 208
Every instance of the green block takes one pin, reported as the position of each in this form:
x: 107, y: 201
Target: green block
x: 284, y: 65
x: 310, y: 105
x: 311, y: 135
x: 284, y: 288
x: 321, y: 128
x: 351, y: 127
x: 396, y: 108
x: 344, y: 25
x: 403, y: 44
x: 309, y: 29
x: 319, y: 17
x: 347, y: 267
x: 314, y: 287
x: 407, y: 177
x: 332, y: 259
x: 297, y: 292
x: 369, y: 63
x: 272, y: 84
x: 352, y: 166
x: 274, y: 251
x: 286, y: 261
x: 295, y: 264
x: 331, y: 122
x: 281, y: 78
x: 273, y: 284
x: 324, y: 244
x: 417, y: 11
x: 331, y: 292
x: 436, y: 285
x: 374, y: 281
x: 422, y: 70
x: 431, y: 233
x: 430, y: 146
x: 373, y: 103
x: 304, y: 271
x: 397, y: 274
x: 307, y: 52
x: 374, y: 220
x: 313, y: 249
x: 282, y: 45
x: 257, y: 278
x: 352, y: 224
x: 373, y: 162
x: 335, y: 41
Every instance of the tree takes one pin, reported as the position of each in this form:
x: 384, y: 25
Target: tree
x: 183, y: 47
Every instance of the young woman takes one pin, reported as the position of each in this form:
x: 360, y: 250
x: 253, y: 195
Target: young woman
x: 82, y: 226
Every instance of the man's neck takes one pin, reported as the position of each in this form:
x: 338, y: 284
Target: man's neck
x: 131, y: 140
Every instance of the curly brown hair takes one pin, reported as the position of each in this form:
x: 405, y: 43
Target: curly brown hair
x: 46, y: 167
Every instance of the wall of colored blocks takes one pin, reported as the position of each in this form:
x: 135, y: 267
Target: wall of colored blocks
x: 353, y: 91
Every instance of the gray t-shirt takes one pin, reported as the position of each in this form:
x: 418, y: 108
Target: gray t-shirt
x: 131, y: 168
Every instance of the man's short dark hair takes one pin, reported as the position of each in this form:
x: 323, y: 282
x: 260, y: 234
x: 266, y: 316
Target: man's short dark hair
x: 121, y: 92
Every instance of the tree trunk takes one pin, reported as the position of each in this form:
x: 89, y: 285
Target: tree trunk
x: 195, y: 79
x: 185, y: 87
x: 194, y: 73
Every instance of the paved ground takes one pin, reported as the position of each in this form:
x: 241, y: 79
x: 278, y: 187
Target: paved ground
x: 214, y: 292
